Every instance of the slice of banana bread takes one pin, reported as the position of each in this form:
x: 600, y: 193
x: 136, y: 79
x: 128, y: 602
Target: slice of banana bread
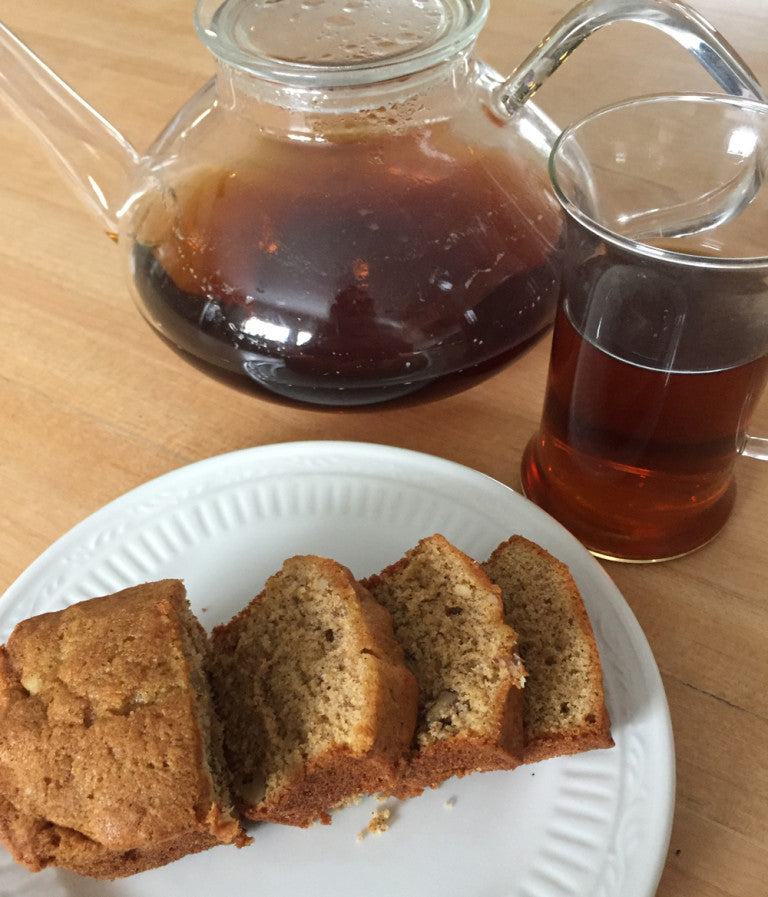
x: 449, y: 619
x: 110, y: 754
x: 564, y: 706
x: 314, y: 695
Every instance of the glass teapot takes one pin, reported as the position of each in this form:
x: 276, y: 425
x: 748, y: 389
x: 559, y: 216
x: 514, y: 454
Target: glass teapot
x: 355, y: 209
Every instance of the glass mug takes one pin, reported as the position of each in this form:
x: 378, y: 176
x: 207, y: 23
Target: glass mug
x: 660, y: 345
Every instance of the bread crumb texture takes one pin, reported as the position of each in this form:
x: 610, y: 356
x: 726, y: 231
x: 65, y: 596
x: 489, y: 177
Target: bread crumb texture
x: 317, y: 703
x: 449, y: 619
x: 564, y: 705
x: 109, y: 752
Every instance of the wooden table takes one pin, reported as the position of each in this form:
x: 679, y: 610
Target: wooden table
x: 93, y: 404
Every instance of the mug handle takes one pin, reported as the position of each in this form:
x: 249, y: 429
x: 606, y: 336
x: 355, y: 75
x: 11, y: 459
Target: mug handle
x: 676, y: 19
x: 755, y: 447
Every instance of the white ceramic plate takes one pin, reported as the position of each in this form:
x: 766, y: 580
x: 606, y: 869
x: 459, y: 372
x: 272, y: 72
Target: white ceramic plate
x: 594, y: 825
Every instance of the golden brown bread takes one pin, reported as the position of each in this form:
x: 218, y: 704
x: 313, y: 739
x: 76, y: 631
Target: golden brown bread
x: 564, y: 705
x: 110, y: 749
x: 110, y: 756
x: 314, y: 695
x: 449, y: 619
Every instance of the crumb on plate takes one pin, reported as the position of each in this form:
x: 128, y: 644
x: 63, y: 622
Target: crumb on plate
x: 378, y: 823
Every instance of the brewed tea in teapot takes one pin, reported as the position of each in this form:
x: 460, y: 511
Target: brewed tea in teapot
x: 355, y: 208
x: 353, y: 270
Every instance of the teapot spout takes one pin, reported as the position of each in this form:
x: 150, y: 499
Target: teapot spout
x: 97, y: 160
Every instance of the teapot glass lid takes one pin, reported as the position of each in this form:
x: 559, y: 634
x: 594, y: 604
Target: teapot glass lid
x: 337, y: 42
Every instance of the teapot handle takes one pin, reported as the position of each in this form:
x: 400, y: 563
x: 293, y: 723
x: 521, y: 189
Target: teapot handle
x: 676, y: 19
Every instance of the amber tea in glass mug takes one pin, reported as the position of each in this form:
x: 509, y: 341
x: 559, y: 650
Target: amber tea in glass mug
x: 660, y: 345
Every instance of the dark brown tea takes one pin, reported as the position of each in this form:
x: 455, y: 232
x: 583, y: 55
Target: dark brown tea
x: 353, y: 272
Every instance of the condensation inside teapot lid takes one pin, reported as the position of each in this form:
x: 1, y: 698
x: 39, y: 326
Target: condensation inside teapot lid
x: 327, y: 40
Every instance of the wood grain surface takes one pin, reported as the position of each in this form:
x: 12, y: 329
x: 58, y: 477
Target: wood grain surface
x: 92, y: 404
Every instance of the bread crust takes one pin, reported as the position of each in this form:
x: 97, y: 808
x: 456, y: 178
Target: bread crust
x: 102, y: 749
x: 429, y: 766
